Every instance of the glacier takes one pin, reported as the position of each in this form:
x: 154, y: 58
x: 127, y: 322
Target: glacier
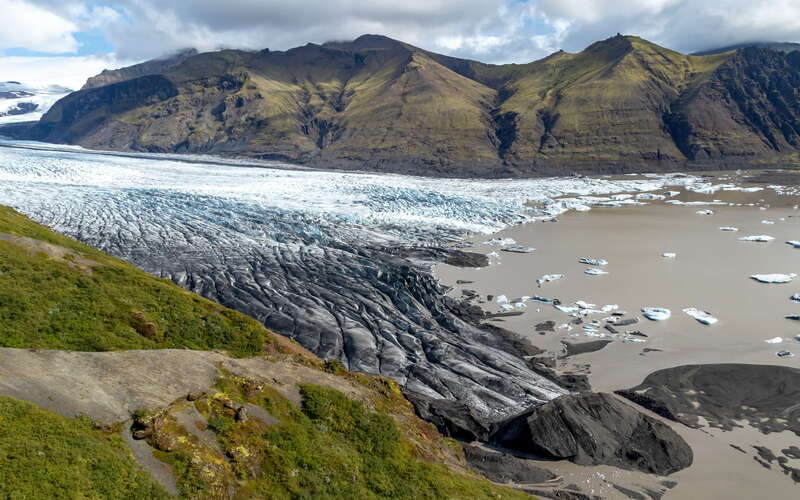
x: 339, y: 261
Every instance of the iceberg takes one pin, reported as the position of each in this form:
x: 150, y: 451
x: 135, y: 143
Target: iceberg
x: 544, y: 300
x: 774, y: 278
x: 795, y: 317
x: 767, y: 222
x: 794, y: 243
x: 592, y: 271
x: 669, y: 255
x: 656, y: 313
x: 548, y: 277
x: 593, y: 262
x: 701, y: 316
x: 728, y: 228
x: 501, y: 299
x: 761, y: 238
x: 518, y: 249
x: 584, y: 305
x: 705, y: 212
x: 500, y: 242
x: 566, y: 309
x: 795, y: 297
x: 774, y: 340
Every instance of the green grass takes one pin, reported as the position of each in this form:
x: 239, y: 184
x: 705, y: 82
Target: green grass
x: 328, y: 448
x: 53, y: 303
x: 47, y: 456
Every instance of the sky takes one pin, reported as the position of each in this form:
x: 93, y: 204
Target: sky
x: 65, y: 41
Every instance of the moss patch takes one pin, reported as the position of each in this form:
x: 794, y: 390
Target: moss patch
x: 44, y: 455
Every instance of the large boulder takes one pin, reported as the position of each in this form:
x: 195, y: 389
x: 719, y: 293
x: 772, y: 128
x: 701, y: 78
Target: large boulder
x: 596, y: 428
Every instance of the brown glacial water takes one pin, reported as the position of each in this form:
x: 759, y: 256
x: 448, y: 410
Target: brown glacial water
x: 711, y: 272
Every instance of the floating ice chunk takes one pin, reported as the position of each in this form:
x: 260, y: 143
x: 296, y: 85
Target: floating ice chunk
x: 728, y: 228
x: 669, y: 255
x: 752, y: 189
x: 774, y: 278
x: 633, y: 339
x: 564, y: 326
x: 548, y: 277
x: 537, y: 298
x: 650, y: 196
x: 518, y: 249
x: 767, y: 222
x: 584, y: 305
x: 705, y: 212
x: 566, y: 309
x: 784, y: 354
x: 501, y: 299
x: 493, y: 254
x: 701, y: 316
x: 520, y: 305
x: 500, y: 242
x: 592, y: 271
x: 593, y: 262
x: 506, y: 307
x: 794, y: 243
x: 761, y: 238
x: 795, y: 297
x: 620, y: 197
x: 672, y: 193
x: 656, y: 313
x: 609, y: 307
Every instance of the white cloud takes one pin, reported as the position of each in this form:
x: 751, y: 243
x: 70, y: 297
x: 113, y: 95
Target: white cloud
x: 33, y: 27
x: 70, y: 72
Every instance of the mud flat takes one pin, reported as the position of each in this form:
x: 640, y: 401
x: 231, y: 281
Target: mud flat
x: 669, y: 253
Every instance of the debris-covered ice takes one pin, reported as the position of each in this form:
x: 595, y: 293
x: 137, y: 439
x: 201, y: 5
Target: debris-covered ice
x: 548, y: 277
x: 593, y: 262
x: 593, y: 271
x: 784, y: 354
x: 774, y: 278
x: 728, y: 228
x: 518, y: 249
x: 656, y: 313
x: 795, y: 297
x: 669, y: 255
x: 701, y: 316
x: 760, y: 238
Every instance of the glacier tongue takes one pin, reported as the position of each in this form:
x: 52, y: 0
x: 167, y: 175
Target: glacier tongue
x: 338, y: 261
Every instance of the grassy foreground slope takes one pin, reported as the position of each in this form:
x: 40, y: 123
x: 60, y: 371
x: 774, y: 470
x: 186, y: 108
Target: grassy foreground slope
x: 282, y: 424
x: 45, y: 455
x: 56, y: 293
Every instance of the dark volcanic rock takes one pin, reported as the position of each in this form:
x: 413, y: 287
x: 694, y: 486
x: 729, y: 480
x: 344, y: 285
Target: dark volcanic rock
x: 574, y: 348
x: 504, y: 468
x: 596, y: 428
x: 451, y: 418
x: 765, y: 396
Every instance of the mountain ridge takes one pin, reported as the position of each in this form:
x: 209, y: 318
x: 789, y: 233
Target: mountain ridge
x: 380, y: 104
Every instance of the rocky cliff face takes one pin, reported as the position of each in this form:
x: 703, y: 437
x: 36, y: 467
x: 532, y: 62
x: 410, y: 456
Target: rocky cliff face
x: 380, y: 104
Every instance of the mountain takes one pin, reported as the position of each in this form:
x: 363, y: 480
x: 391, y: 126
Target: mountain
x: 117, y: 384
x: 779, y: 46
x: 109, y: 76
x: 379, y: 104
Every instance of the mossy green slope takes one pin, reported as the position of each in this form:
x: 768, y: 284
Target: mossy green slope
x: 56, y: 293
x: 46, y: 456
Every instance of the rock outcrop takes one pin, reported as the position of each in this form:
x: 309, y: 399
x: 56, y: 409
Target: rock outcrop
x: 724, y: 395
x: 596, y: 428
